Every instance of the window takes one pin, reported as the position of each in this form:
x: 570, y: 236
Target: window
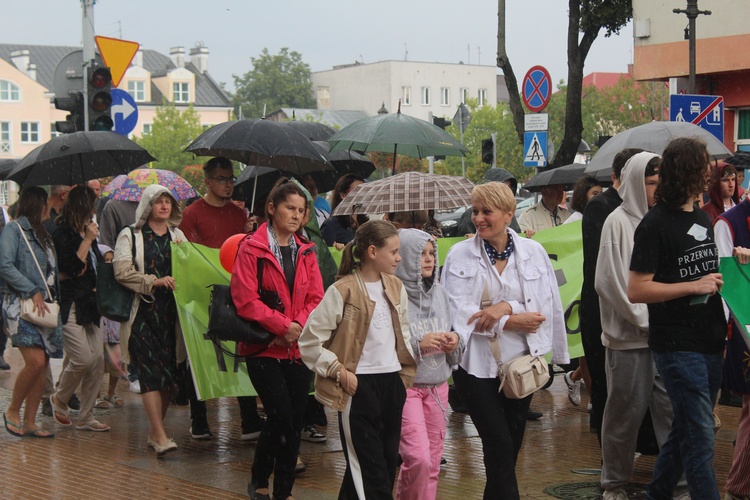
x: 445, y: 96
x: 482, y: 97
x: 464, y: 95
x: 137, y: 90
x: 146, y: 128
x: 406, y: 96
x: 53, y: 131
x: 29, y: 132
x: 743, y: 124
x: 181, y: 92
x: 426, y: 96
x: 5, y: 137
x: 9, y: 92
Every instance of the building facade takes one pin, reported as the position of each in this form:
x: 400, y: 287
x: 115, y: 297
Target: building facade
x: 422, y: 87
x: 28, y: 114
x: 722, y: 58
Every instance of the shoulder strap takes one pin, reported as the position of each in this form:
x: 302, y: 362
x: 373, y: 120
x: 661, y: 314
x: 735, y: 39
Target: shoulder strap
x: 260, y: 274
x: 44, y: 278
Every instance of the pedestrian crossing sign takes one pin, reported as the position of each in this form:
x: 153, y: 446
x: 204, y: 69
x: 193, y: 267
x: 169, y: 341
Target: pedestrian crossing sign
x: 535, y: 149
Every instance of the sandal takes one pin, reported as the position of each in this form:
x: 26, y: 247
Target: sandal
x: 59, y: 413
x: 13, y: 428
x: 93, y: 426
x: 103, y: 404
x: 116, y: 401
x: 39, y: 433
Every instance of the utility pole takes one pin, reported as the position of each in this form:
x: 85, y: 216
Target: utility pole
x: 692, y: 13
x: 88, y: 33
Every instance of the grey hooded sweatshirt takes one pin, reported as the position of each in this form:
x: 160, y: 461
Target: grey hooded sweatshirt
x: 428, y: 310
x: 624, y: 324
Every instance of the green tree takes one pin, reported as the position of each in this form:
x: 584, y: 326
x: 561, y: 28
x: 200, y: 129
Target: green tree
x: 276, y: 81
x: 194, y: 175
x: 171, y: 132
x: 586, y: 19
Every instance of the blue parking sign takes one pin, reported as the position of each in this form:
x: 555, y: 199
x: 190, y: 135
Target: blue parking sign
x: 706, y: 111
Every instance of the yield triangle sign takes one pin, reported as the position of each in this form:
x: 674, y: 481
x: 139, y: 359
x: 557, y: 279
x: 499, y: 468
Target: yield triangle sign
x: 117, y: 55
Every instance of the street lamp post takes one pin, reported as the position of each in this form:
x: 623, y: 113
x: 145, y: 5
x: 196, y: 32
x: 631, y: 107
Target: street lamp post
x: 692, y: 12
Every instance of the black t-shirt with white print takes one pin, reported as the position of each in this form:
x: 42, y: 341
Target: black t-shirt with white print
x: 678, y: 246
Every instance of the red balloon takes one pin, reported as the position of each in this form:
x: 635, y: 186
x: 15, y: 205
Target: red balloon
x: 228, y: 251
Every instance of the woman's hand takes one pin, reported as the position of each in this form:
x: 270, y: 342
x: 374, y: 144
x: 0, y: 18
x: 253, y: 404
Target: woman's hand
x: 91, y: 231
x: 338, y: 246
x: 450, y: 342
x: 431, y: 341
x: 40, y: 306
x: 280, y: 341
x: 293, y: 333
x: 526, y: 322
x: 165, y: 282
x: 742, y: 255
x: 348, y: 381
x: 489, y: 316
x: 708, y: 284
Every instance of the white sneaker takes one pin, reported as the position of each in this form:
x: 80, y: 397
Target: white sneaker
x: 574, y: 389
x: 135, y: 386
x: 615, y: 494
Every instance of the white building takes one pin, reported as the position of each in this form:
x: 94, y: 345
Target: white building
x: 422, y: 87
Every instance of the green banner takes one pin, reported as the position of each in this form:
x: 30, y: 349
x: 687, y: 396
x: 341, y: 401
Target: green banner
x: 736, y: 292
x: 216, y: 374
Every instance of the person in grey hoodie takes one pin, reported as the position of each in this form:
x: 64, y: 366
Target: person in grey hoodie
x: 633, y: 383
x: 437, y: 350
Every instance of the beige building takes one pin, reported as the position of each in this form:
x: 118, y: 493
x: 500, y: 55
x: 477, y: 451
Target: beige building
x: 422, y: 87
x: 28, y: 115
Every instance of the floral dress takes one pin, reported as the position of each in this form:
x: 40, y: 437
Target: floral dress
x: 152, y: 337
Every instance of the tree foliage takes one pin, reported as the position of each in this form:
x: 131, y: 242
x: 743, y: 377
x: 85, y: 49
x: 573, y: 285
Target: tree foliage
x: 586, y: 18
x: 171, y: 132
x: 276, y: 81
x: 384, y: 164
x: 194, y: 175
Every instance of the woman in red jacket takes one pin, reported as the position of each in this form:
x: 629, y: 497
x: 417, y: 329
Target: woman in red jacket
x: 282, y: 381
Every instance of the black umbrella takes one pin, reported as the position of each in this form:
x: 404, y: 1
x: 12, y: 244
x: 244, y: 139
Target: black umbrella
x: 315, y: 131
x: 5, y: 167
x: 258, y: 181
x: 345, y: 162
x: 75, y: 158
x: 263, y: 143
x: 567, y: 175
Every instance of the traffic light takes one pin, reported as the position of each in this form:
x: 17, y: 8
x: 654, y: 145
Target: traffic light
x: 488, y: 152
x: 442, y: 123
x: 100, y: 99
x: 74, y: 105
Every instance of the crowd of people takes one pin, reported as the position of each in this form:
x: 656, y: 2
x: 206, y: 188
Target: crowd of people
x: 379, y: 336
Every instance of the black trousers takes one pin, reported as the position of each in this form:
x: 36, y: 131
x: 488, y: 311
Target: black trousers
x: 282, y: 385
x: 501, y: 423
x: 370, y: 429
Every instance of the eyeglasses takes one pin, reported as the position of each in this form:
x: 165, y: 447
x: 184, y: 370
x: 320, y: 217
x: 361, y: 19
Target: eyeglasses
x: 225, y: 180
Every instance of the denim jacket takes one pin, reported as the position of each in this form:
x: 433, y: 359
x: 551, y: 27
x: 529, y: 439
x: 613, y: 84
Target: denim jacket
x: 17, y: 268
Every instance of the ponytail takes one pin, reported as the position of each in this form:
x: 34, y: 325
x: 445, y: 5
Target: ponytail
x: 374, y: 232
x: 348, y: 261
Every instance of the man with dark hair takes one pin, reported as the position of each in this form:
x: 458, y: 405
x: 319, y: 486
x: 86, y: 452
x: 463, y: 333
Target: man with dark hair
x: 547, y: 213
x: 209, y: 222
x: 596, y: 212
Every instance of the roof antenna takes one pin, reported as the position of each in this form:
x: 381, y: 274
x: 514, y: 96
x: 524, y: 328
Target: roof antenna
x: 406, y: 53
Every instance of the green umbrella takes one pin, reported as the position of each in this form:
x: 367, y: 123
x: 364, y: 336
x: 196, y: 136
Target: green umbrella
x: 398, y: 134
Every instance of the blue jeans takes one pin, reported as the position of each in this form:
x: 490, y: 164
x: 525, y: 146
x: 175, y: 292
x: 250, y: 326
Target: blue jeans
x: 692, y: 380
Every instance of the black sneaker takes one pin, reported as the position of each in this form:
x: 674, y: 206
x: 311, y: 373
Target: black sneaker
x: 200, y: 432
x: 534, y: 415
x: 252, y: 432
x: 3, y: 364
x: 74, y: 403
x: 256, y: 496
x: 310, y: 433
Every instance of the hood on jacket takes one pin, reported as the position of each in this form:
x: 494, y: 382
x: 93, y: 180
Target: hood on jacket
x: 498, y: 174
x: 714, y: 187
x: 409, y: 270
x: 150, y: 194
x: 632, y: 186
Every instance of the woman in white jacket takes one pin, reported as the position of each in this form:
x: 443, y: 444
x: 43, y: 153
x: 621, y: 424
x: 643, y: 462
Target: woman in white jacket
x: 526, y: 318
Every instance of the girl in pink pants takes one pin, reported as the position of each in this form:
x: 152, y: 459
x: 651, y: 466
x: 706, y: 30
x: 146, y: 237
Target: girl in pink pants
x: 436, y: 349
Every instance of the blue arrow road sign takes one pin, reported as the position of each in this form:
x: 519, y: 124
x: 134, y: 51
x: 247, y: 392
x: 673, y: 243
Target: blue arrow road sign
x: 535, y: 149
x: 124, y: 112
x: 706, y: 111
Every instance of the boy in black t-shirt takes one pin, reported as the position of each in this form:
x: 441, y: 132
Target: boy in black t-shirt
x: 673, y: 270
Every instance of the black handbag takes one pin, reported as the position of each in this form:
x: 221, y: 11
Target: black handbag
x: 113, y: 300
x: 224, y: 324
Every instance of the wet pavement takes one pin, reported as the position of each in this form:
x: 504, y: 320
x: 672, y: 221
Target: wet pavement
x: 558, y: 450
